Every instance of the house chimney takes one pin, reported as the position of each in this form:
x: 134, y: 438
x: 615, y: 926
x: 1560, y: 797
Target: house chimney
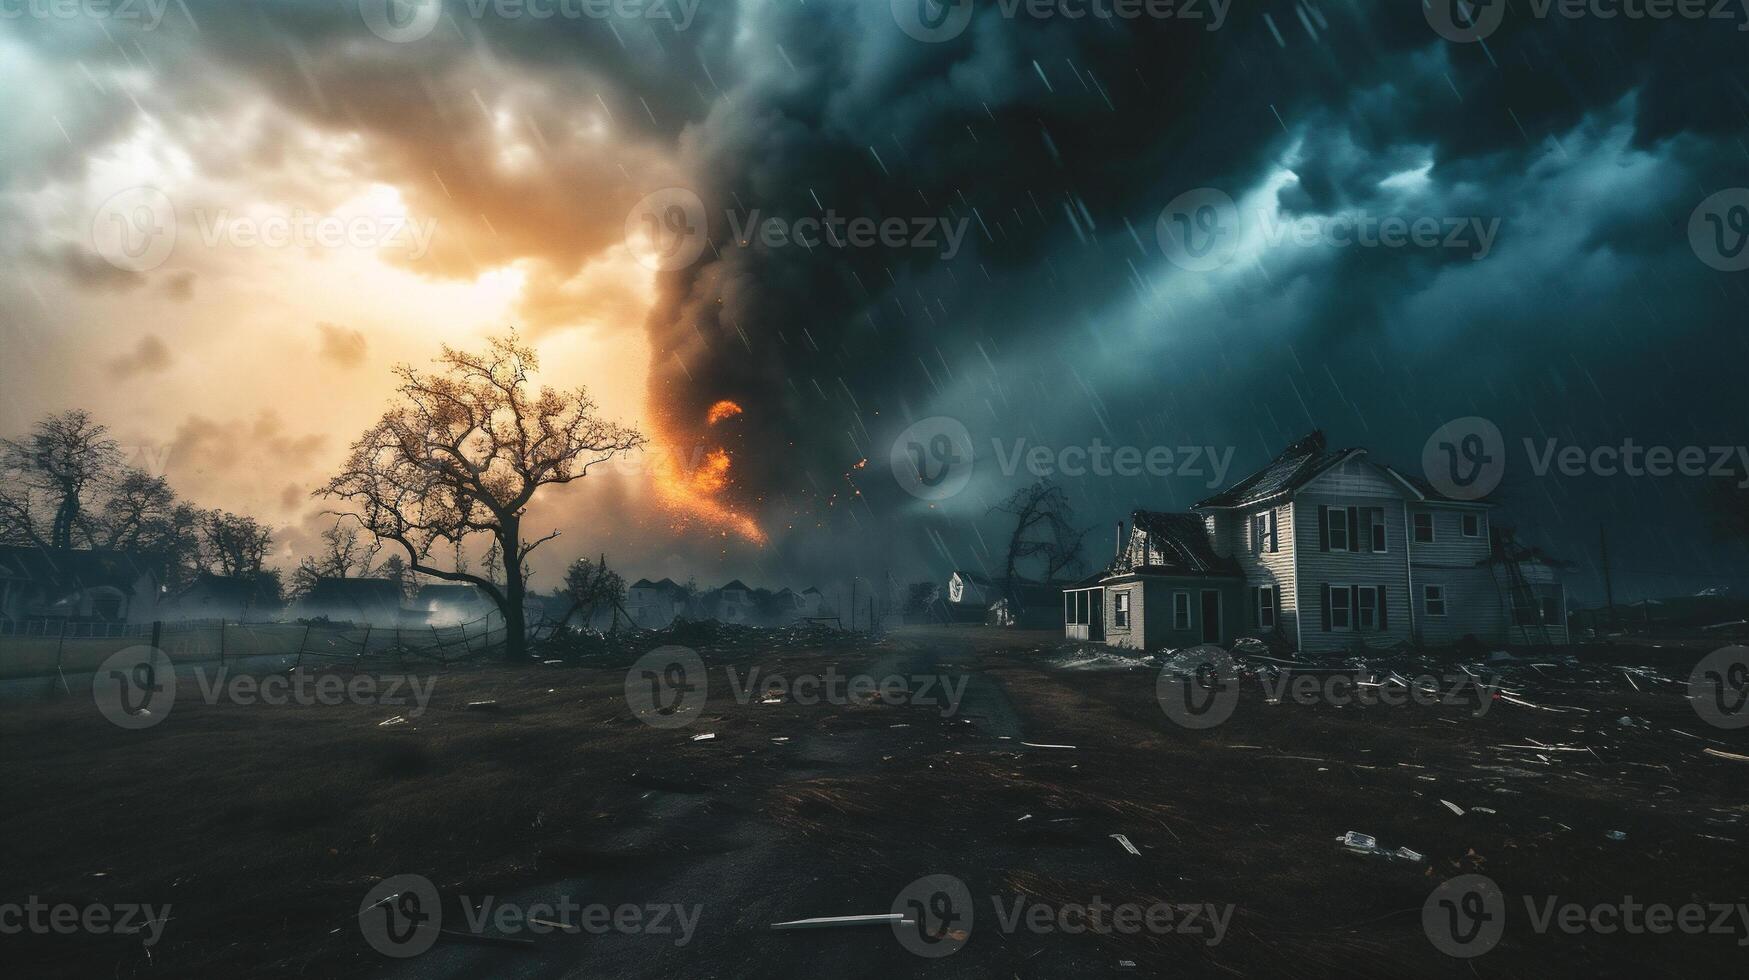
x: 1120, y: 539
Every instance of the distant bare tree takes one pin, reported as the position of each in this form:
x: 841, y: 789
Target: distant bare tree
x: 344, y: 554
x: 234, y: 544
x: 62, y: 458
x: 1044, y: 531
x: 590, y: 585
x: 463, y: 454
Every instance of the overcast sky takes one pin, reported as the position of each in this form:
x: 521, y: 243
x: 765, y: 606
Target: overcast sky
x: 455, y: 169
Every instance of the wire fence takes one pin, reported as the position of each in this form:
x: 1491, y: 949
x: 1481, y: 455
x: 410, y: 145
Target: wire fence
x: 296, y: 644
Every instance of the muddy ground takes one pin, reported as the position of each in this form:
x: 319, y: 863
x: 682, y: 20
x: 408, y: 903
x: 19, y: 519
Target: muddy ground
x: 263, y: 827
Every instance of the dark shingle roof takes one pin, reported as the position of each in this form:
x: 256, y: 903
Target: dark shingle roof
x: 1297, y: 465
x: 1184, y: 541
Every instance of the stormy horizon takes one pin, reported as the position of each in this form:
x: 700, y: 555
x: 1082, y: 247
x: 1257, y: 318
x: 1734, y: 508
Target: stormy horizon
x: 803, y: 247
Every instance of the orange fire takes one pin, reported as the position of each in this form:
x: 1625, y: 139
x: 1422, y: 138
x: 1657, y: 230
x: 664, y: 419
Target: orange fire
x: 722, y: 410
x: 695, y: 483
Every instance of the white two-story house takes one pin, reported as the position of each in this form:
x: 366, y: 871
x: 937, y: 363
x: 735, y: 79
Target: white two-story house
x: 1327, y: 549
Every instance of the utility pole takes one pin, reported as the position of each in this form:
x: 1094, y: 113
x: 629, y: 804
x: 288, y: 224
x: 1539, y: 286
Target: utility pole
x: 1608, y: 586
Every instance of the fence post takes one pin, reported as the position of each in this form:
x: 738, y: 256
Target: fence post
x: 364, y: 644
x: 221, y: 641
x: 301, y: 642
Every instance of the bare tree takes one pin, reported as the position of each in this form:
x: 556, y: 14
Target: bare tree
x: 64, y: 456
x: 234, y: 544
x: 463, y: 454
x: 590, y: 585
x: 1044, y: 530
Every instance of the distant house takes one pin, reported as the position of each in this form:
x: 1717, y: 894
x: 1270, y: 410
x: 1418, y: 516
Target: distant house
x: 452, y: 603
x: 786, y: 606
x: 814, y: 604
x: 374, y: 601
x: 43, y: 585
x: 655, y: 605
x: 733, y: 603
x: 1326, y: 549
x: 235, y: 598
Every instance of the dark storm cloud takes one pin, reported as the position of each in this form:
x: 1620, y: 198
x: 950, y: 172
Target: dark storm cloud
x: 1057, y: 142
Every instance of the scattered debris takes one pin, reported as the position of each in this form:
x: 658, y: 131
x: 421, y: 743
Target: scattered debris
x: 1721, y: 754
x: 1359, y: 843
x: 1124, y: 842
x: 835, y: 921
x: 1043, y: 745
x: 480, y: 706
x: 705, y: 737
x: 392, y: 722
x: 1617, y: 835
x: 1453, y: 807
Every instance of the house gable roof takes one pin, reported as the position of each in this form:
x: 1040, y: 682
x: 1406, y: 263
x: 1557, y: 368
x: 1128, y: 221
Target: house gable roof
x: 1297, y: 465
x: 1184, y: 545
